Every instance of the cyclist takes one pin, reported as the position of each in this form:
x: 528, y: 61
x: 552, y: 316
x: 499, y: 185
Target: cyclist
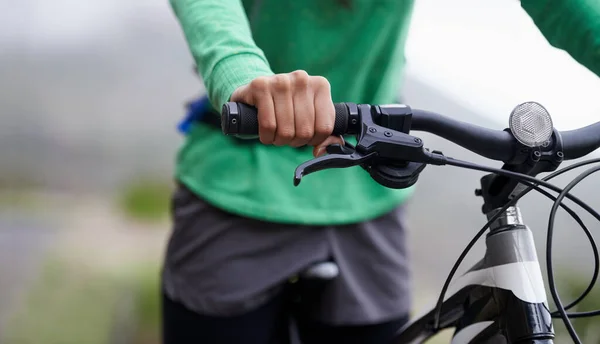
x: 241, y: 229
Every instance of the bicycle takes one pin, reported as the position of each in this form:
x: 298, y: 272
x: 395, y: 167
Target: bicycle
x: 502, y: 298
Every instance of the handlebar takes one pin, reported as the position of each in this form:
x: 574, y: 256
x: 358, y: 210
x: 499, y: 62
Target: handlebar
x: 241, y: 120
x: 492, y: 144
x: 581, y: 142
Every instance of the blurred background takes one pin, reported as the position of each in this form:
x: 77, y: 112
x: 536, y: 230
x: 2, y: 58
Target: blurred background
x: 90, y: 96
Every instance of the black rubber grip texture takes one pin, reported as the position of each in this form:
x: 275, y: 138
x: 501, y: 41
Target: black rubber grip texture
x: 242, y: 119
x: 239, y: 119
x: 341, y: 119
x: 248, y: 119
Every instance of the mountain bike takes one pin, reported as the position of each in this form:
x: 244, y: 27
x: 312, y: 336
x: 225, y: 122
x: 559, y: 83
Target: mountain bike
x: 502, y: 298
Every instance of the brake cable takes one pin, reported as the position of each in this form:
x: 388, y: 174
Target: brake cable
x: 532, y: 183
x: 551, y: 220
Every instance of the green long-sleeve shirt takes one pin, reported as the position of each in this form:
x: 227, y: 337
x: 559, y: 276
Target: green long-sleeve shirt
x: 359, y: 48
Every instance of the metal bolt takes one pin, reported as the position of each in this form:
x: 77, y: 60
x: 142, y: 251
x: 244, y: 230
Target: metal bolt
x: 233, y: 121
x: 373, y: 130
x: 560, y: 155
x: 537, y: 154
x: 388, y: 133
x: 354, y: 121
x: 417, y: 140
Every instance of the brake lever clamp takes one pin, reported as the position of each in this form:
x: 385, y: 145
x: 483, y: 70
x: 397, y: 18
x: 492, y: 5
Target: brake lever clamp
x: 395, y: 176
x: 393, y: 158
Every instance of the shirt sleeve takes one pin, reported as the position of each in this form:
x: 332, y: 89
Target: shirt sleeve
x: 570, y: 25
x: 219, y: 38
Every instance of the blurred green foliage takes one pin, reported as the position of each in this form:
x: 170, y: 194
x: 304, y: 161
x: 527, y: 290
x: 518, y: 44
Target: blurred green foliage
x: 20, y: 180
x: 146, y: 199
x: 147, y: 305
x: 13, y: 199
x: 66, y: 306
x: 71, y: 304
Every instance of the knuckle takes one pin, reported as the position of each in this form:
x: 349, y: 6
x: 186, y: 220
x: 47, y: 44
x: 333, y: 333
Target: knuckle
x: 282, y: 83
x: 301, y: 78
x: 305, y: 134
x: 260, y: 84
x: 324, y: 129
x: 320, y: 82
x: 300, y: 73
x: 285, y: 134
x: 268, y: 126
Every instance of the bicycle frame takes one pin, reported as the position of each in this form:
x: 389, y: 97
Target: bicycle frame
x: 502, y: 298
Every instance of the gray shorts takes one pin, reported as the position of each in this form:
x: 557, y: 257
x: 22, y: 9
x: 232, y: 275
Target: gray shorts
x: 222, y: 264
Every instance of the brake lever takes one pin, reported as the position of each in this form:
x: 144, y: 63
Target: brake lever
x: 389, y: 153
x: 330, y: 161
x: 346, y: 149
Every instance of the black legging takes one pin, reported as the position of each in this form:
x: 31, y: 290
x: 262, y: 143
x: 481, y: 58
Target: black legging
x: 269, y: 324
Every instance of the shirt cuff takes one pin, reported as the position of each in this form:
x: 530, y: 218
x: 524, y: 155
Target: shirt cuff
x: 232, y: 72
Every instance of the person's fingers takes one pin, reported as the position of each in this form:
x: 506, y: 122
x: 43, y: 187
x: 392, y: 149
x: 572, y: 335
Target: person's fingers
x: 304, y: 111
x: 331, y: 140
x: 243, y: 94
x: 293, y: 109
x: 324, y: 111
x: 259, y: 95
x: 284, y: 109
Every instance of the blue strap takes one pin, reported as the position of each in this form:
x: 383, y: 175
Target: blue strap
x: 195, y: 111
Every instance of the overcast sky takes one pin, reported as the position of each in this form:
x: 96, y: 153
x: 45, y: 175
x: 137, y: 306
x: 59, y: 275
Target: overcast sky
x: 488, y: 54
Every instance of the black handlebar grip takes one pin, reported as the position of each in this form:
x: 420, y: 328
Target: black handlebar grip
x: 342, y: 116
x: 239, y: 119
x: 242, y: 120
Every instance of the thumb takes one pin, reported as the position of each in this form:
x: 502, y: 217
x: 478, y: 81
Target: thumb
x: 331, y: 140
